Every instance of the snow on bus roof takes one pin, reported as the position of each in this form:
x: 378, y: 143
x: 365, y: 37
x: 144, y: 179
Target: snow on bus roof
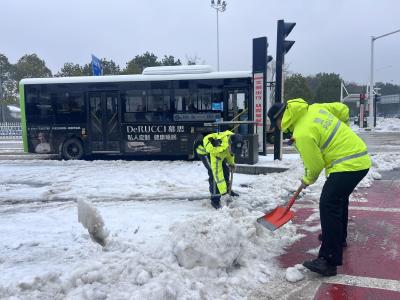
x: 169, y: 70
x: 139, y: 77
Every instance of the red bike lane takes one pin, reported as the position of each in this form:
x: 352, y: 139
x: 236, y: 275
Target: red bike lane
x: 371, y: 268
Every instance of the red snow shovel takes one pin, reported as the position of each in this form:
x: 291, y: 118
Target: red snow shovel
x: 280, y: 215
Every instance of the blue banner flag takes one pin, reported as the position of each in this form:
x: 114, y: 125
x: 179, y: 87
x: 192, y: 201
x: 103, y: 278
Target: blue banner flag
x: 97, y: 66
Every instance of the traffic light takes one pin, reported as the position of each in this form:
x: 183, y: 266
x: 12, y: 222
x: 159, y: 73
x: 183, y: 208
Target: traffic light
x: 282, y: 47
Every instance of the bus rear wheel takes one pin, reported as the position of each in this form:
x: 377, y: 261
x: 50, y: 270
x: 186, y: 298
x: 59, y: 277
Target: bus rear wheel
x: 72, y: 149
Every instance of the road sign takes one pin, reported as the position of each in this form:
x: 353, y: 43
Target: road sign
x: 97, y: 67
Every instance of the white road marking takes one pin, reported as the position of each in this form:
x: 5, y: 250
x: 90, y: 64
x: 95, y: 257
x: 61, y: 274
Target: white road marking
x: 389, y: 209
x: 365, y: 208
x: 367, y: 282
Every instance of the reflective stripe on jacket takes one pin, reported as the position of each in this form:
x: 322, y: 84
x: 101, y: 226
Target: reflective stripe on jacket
x: 201, y: 151
x: 323, y: 140
x: 217, y: 155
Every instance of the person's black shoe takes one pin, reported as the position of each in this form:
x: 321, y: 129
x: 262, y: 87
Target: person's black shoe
x: 233, y: 194
x: 216, y: 204
x: 321, y: 266
x: 344, y: 244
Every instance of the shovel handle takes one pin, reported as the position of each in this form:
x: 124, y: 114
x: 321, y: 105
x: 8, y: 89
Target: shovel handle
x: 230, y: 181
x: 291, y: 202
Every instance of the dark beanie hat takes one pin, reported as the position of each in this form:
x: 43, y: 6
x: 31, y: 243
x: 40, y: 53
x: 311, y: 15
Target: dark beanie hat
x: 275, y: 111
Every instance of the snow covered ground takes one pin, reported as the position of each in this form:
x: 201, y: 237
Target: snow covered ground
x: 382, y: 125
x: 165, y: 242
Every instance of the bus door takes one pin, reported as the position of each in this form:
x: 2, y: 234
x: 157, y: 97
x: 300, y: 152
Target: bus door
x: 237, y: 108
x: 104, y: 125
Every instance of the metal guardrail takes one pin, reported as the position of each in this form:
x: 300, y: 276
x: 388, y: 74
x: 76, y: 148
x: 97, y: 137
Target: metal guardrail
x: 10, y: 131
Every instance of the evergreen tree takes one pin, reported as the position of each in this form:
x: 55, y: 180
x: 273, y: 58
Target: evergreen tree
x: 140, y: 62
x: 8, y: 85
x: 170, y: 61
x: 296, y: 87
x: 70, y: 69
x: 328, y: 89
x: 110, y: 67
x: 31, y: 66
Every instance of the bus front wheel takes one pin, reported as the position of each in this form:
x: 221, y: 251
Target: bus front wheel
x: 72, y: 149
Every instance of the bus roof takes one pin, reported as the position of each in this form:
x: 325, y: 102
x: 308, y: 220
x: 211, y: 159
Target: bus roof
x: 139, y: 77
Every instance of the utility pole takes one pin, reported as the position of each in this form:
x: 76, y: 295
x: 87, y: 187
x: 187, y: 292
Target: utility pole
x: 371, y: 83
x: 2, y: 102
x: 219, y: 7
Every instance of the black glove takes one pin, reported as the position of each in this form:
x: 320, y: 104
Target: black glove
x: 215, y: 142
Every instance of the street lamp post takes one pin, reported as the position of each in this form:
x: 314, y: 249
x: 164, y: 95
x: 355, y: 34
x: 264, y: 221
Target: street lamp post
x: 371, y: 83
x: 220, y: 6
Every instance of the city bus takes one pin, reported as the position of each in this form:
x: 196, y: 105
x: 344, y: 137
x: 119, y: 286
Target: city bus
x: 162, y: 111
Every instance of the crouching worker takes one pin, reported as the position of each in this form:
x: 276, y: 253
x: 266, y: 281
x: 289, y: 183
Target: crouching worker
x: 217, y: 152
x: 325, y: 141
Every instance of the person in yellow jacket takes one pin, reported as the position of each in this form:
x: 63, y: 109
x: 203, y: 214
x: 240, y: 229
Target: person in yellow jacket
x: 217, y: 152
x: 322, y: 136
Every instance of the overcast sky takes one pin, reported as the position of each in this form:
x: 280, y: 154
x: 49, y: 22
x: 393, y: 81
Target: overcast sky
x: 330, y: 35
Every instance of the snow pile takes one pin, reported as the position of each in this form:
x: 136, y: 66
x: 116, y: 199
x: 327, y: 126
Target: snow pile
x: 382, y: 125
x: 385, y: 161
x: 199, y: 242
x: 387, y: 124
x: 294, y: 274
x: 221, y: 254
x: 91, y: 219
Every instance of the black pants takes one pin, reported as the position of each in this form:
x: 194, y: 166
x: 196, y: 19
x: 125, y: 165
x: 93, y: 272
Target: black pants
x: 333, y: 209
x: 215, y: 195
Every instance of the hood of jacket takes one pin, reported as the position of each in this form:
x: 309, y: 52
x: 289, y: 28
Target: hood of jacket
x: 295, y: 110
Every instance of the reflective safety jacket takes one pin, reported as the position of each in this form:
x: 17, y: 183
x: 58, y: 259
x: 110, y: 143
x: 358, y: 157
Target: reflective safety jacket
x: 323, y: 138
x: 200, y: 150
x: 218, y: 153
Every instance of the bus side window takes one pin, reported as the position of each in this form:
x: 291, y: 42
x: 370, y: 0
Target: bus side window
x: 45, y: 106
x: 31, y: 102
x: 135, y: 106
x: 70, y: 107
x: 178, y: 103
x: 39, y: 105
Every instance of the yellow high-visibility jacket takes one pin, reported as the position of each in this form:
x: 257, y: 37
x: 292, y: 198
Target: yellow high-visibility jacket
x: 324, y: 139
x: 217, y: 155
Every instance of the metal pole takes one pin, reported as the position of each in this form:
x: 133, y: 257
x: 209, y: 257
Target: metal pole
x: 371, y: 83
x: 217, y: 43
x: 371, y: 87
x: 2, y: 102
x: 219, y: 7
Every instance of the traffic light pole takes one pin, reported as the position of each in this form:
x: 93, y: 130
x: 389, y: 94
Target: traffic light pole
x: 260, y: 60
x: 375, y: 98
x: 282, y: 47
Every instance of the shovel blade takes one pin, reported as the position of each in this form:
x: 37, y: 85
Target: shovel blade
x: 276, y: 218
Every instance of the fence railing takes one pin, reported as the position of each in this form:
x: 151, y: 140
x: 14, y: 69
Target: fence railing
x: 10, y: 131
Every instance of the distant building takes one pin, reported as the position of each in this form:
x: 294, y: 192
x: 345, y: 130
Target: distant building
x: 388, y: 107
x: 15, y: 111
x: 10, y: 113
